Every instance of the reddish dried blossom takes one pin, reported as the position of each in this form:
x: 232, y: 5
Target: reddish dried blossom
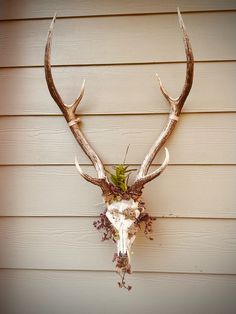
x: 123, y: 266
x: 104, y: 224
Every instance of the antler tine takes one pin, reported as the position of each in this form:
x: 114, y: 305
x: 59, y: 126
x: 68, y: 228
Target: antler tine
x: 138, y: 185
x: 190, y: 64
x: 102, y: 182
x: 179, y: 101
x: 164, y: 91
x: 49, y: 78
x: 48, y: 71
x: 158, y: 171
x: 69, y: 114
x: 176, y: 105
x: 77, y: 101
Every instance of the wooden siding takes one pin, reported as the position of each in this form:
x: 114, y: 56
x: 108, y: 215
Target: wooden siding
x: 110, y: 88
x: 14, y: 9
x: 52, y: 259
x: 68, y: 292
x: 212, y: 192
x: 122, y: 39
x: 180, y: 245
x: 198, y: 139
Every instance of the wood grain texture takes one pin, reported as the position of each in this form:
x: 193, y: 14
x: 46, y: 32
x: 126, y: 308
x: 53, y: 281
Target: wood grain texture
x: 37, y: 292
x: 14, y: 9
x: 118, y: 89
x: 179, y: 245
x: 196, y: 191
x: 198, y: 139
x: 122, y: 39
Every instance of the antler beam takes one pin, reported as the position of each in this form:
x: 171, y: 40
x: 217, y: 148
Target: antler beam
x: 73, y: 121
x: 176, y: 105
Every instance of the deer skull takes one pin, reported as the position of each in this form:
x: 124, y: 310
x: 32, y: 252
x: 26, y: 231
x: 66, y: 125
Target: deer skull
x: 125, y: 212
x: 122, y: 214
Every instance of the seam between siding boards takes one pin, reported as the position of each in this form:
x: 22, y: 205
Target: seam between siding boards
x: 86, y: 164
x: 97, y: 216
x: 117, y: 114
x: 90, y: 114
x: 114, y: 64
x: 112, y: 271
x: 115, y: 15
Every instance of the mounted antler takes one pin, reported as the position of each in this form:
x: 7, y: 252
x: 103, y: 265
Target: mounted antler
x: 176, y: 105
x: 125, y: 209
x: 73, y: 121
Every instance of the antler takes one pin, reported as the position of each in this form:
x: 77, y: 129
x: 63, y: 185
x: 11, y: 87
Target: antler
x: 176, y: 105
x: 70, y: 116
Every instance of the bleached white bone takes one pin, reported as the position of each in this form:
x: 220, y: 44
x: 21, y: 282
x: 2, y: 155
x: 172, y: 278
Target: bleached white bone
x: 115, y: 214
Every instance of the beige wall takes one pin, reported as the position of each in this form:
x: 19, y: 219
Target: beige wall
x: 52, y: 260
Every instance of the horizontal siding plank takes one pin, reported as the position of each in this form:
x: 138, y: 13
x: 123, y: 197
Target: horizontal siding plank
x: 196, y: 191
x: 118, y: 89
x: 40, y: 140
x: 179, y: 245
x: 37, y: 292
x: 37, y: 9
x: 126, y: 39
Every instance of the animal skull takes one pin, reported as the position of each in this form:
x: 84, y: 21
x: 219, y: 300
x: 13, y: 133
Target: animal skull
x: 124, y: 209
x: 122, y: 214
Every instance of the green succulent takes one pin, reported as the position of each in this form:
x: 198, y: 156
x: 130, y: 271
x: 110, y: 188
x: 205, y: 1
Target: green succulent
x: 121, y: 176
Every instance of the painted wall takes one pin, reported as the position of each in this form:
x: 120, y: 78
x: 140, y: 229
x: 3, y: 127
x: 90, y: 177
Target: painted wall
x: 52, y: 259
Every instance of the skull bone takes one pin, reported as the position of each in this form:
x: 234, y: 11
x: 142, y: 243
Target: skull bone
x: 122, y: 214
